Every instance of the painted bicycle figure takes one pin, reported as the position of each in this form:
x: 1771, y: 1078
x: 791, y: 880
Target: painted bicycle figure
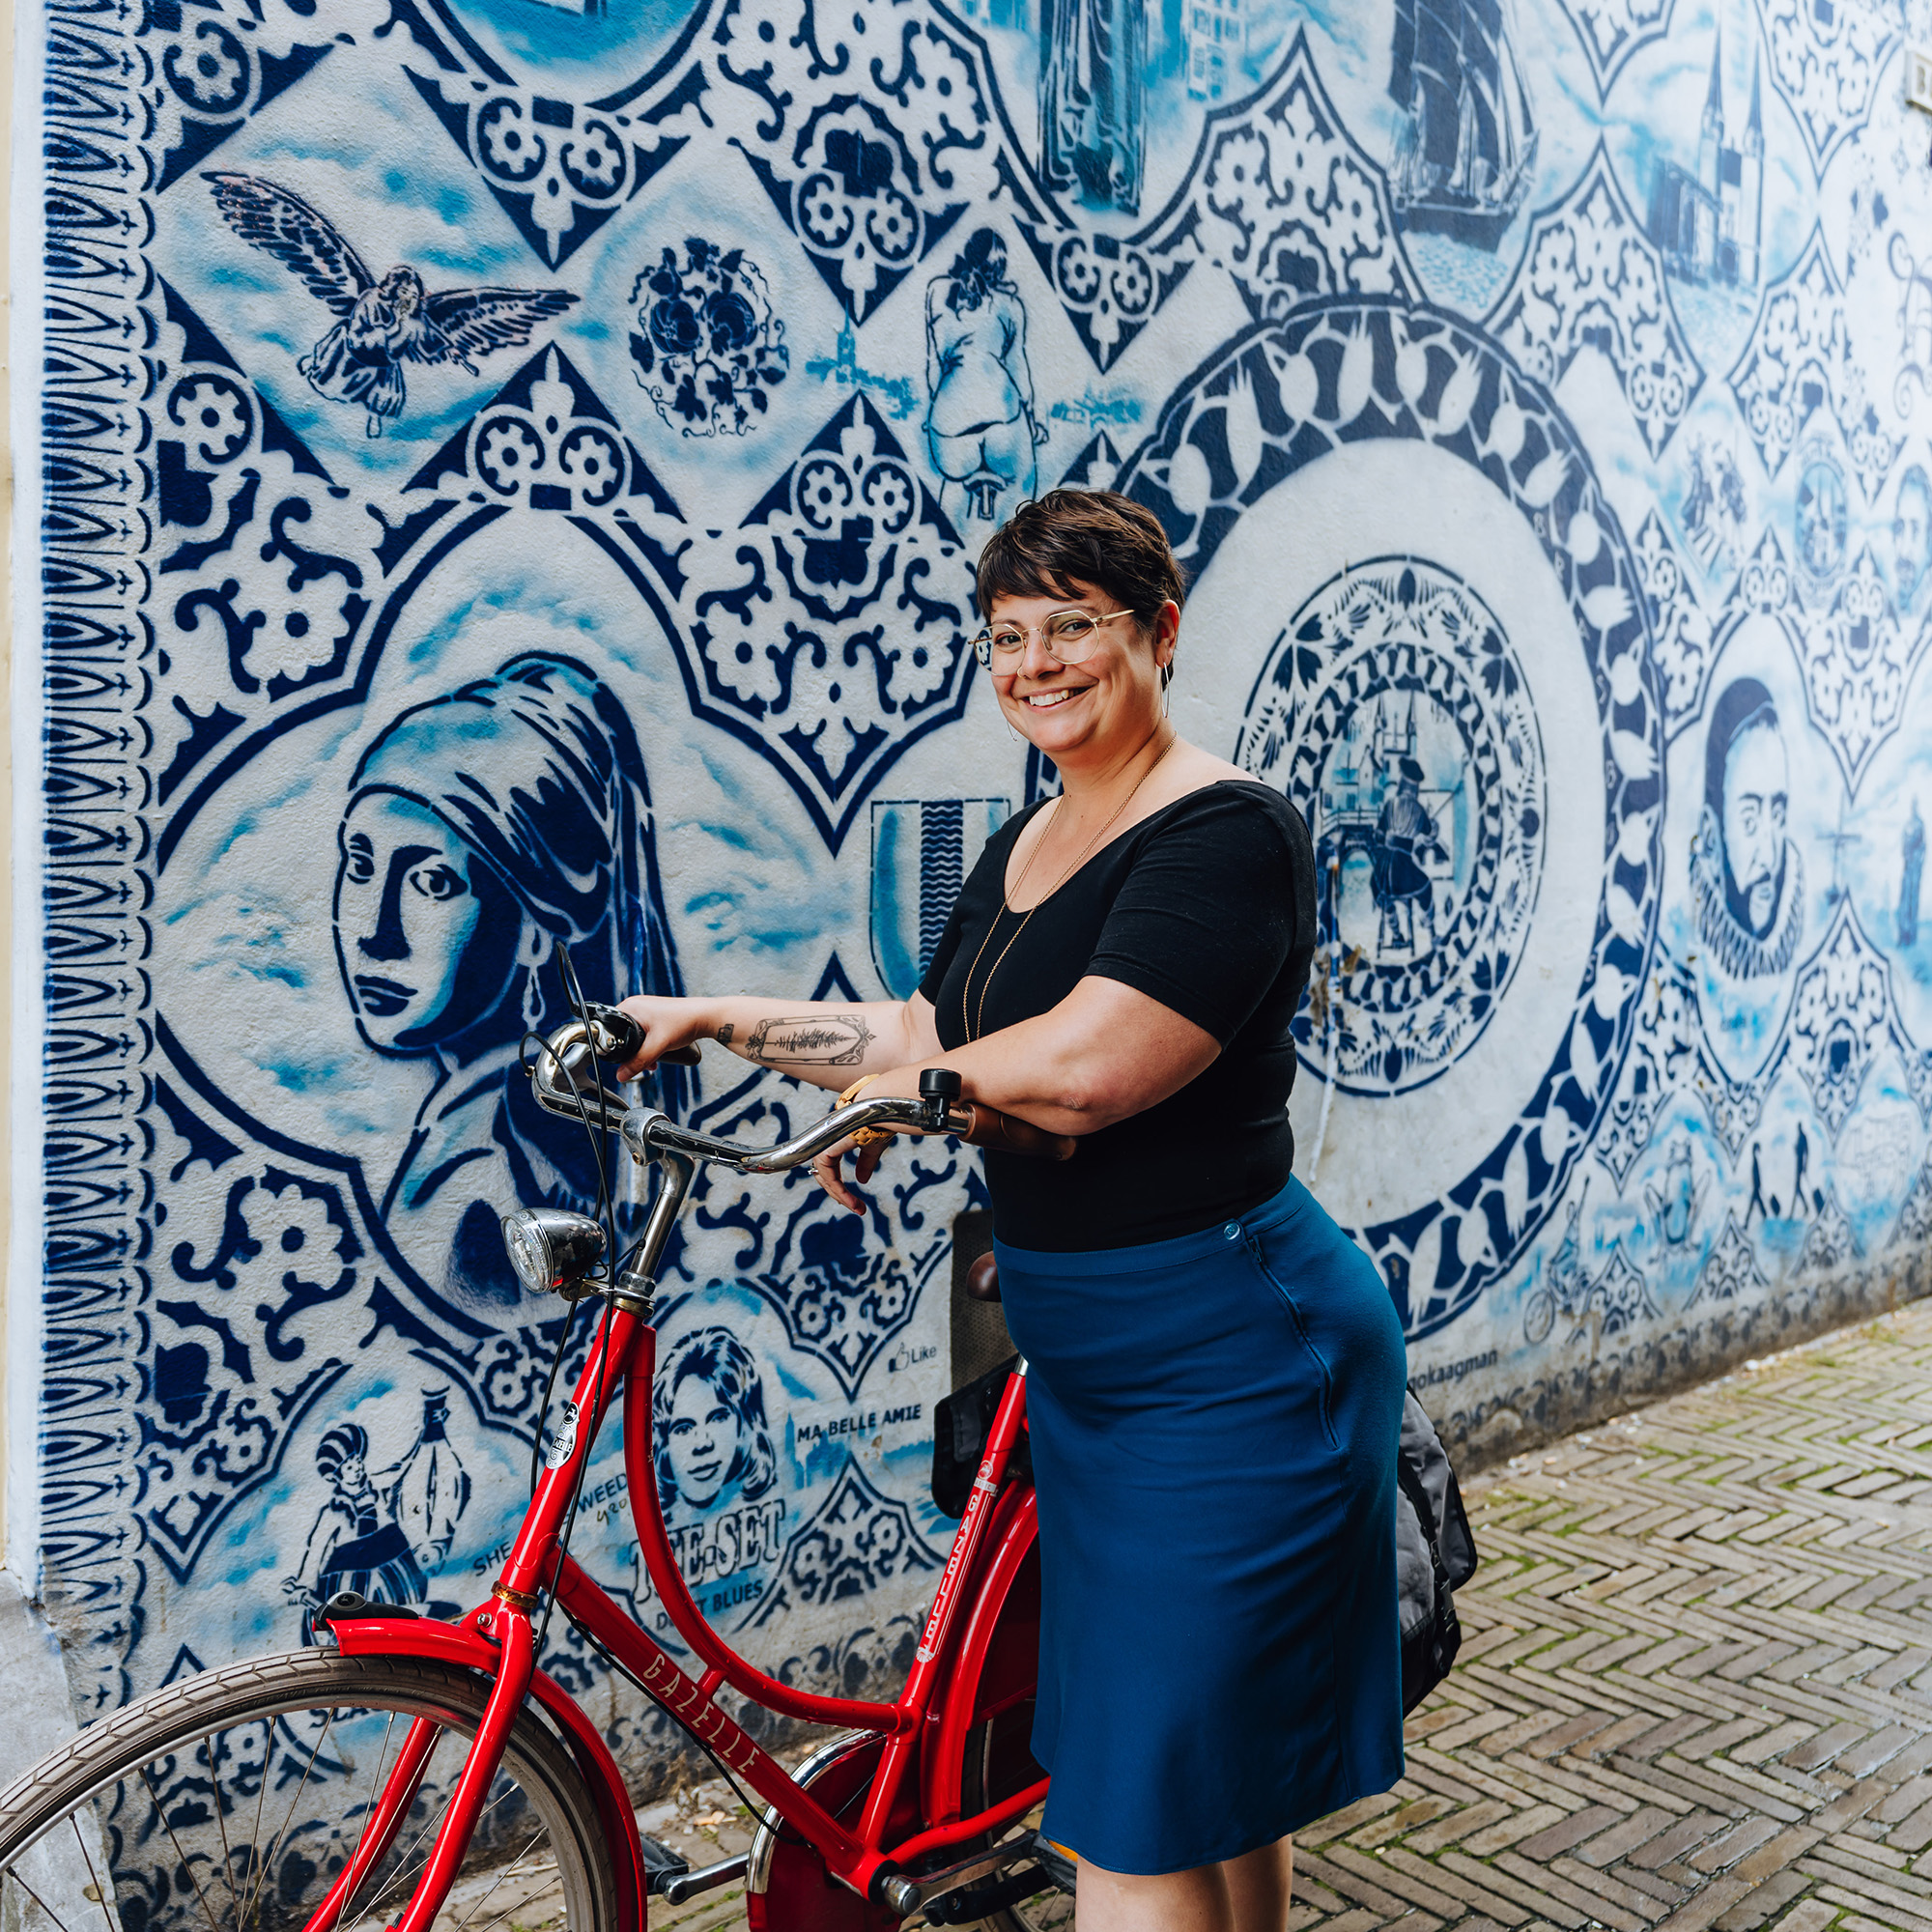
x: 415, y: 1775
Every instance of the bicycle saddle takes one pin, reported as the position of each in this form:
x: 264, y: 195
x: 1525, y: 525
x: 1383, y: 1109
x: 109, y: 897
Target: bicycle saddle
x: 983, y: 1278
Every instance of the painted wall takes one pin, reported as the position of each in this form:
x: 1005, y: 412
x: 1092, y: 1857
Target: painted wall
x: 511, y: 476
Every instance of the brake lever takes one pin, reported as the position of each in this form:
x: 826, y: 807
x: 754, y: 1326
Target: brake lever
x: 554, y: 1080
x: 616, y: 1036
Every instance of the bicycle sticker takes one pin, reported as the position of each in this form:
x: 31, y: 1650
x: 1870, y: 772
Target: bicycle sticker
x: 564, y: 1441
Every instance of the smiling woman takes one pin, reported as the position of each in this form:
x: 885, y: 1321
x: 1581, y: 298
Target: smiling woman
x: 1213, y: 1369
x: 484, y: 832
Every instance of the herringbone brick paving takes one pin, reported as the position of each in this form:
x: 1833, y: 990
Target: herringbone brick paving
x: 1695, y: 1687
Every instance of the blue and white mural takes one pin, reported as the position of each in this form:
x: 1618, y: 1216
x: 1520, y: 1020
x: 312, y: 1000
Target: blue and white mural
x: 511, y: 478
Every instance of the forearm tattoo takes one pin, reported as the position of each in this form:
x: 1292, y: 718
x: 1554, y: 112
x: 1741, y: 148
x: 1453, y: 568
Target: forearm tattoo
x: 725, y: 1033
x: 810, y: 1040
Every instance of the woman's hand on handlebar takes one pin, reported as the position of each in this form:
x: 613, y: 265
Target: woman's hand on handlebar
x: 668, y: 1025
x: 827, y: 1170
x: 982, y: 1126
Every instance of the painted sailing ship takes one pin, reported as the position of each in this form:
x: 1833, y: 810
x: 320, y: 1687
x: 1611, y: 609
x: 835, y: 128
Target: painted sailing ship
x: 1465, y: 140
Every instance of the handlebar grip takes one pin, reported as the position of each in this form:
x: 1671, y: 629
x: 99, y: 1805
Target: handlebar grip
x: 1010, y: 1134
x: 626, y: 1037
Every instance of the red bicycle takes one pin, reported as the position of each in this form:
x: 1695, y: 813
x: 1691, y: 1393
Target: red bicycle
x: 413, y: 1773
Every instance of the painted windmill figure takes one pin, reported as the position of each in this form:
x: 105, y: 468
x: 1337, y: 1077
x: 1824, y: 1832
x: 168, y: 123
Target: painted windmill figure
x: 381, y: 323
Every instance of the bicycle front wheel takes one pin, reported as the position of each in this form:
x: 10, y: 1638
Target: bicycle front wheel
x: 232, y: 1800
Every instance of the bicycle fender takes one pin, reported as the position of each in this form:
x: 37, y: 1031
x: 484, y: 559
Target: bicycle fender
x: 984, y: 1664
x: 464, y: 1646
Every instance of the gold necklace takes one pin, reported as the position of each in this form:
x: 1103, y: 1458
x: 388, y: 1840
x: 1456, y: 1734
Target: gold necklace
x: 1006, y: 905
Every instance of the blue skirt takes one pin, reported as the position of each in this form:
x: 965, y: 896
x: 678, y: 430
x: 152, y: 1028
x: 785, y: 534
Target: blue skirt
x: 1214, y: 1422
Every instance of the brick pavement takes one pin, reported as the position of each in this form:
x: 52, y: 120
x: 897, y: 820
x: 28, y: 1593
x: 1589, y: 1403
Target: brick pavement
x: 1695, y: 1689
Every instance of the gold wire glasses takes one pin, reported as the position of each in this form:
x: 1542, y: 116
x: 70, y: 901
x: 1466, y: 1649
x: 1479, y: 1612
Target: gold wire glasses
x: 1071, y: 638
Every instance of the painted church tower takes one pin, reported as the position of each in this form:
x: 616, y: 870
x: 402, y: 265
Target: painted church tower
x: 1720, y: 225
x: 1744, y: 204
x: 1711, y: 131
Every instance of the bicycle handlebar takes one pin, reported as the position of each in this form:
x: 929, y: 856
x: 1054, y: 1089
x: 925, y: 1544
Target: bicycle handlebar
x: 563, y: 1077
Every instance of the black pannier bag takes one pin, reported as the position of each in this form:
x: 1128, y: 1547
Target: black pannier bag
x: 960, y: 1425
x: 1435, y: 1554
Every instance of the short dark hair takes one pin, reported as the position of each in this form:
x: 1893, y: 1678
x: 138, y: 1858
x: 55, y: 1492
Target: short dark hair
x: 1090, y: 536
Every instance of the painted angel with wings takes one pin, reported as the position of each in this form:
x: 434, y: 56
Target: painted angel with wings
x: 383, y: 324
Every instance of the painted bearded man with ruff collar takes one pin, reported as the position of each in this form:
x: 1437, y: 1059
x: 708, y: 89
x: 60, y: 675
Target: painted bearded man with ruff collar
x: 1746, y: 877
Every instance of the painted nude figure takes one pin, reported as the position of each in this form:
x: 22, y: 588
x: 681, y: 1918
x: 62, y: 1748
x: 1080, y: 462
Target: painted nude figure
x: 980, y: 429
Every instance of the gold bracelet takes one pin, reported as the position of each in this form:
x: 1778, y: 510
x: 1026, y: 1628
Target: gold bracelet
x: 864, y: 1137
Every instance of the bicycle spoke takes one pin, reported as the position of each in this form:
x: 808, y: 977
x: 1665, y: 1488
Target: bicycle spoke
x: 181, y: 1850
x: 35, y: 1897
x: 227, y: 1855
x: 92, y: 1876
x: 505, y: 1913
x: 433, y: 1825
x: 255, y: 1835
x: 288, y: 1817
x: 429, y: 1826
x: 463, y: 1923
x: 372, y: 1804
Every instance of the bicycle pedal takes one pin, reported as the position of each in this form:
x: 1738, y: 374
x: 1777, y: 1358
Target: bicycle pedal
x: 688, y: 1885
x: 1057, y: 1862
x: 973, y: 1902
x: 662, y: 1864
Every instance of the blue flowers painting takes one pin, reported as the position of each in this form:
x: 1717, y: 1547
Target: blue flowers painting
x: 708, y: 349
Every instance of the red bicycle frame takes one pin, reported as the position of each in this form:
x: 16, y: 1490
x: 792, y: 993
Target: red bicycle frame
x: 924, y: 1732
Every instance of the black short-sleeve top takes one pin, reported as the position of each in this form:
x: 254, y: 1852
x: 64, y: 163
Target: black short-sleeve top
x: 1207, y: 905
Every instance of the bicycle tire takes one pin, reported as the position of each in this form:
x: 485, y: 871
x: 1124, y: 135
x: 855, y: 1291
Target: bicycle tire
x: 222, y: 1741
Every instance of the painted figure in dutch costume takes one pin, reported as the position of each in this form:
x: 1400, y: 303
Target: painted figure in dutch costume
x: 1746, y: 877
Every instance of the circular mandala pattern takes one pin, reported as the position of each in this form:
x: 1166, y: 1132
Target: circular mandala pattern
x: 508, y: 451
x: 594, y: 164
x: 1315, y: 388
x: 590, y: 457
x: 510, y: 149
x: 893, y: 227
x: 891, y: 494
x: 824, y: 213
x: 823, y: 490
x: 209, y: 71
x: 1412, y: 750
x: 215, y: 413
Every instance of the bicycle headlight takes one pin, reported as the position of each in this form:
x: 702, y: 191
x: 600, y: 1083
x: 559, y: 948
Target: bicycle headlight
x: 552, y: 1249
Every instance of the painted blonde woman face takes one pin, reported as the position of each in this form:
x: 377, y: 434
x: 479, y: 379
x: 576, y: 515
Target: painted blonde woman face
x: 704, y: 1440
